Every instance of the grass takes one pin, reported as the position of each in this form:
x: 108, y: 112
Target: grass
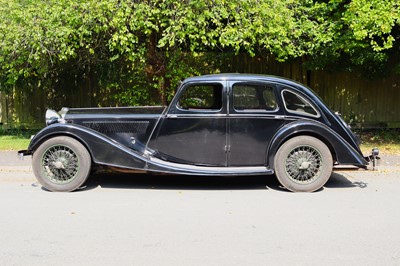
x: 388, y: 141
x: 12, y: 140
x: 384, y: 148
x: 11, y: 143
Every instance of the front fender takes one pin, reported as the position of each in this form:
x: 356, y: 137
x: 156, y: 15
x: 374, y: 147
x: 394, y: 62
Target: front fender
x: 102, y: 149
x: 341, y: 150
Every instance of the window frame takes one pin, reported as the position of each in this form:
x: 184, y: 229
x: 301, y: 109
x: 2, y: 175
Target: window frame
x: 255, y: 84
x: 200, y: 110
x: 318, y: 115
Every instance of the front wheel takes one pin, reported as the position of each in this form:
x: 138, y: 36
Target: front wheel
x: 61, y: 164
x: 303, y: 164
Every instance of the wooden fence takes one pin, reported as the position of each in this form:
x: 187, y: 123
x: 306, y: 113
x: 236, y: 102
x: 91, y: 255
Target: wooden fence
x: 362, y: 102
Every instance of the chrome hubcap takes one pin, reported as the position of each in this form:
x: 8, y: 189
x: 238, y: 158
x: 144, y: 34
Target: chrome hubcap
x: 60, y: 164
x: 304, y: 164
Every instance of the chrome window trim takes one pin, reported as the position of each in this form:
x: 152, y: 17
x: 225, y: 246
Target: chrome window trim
x: 254, y: 111
x: 318, y: 115
x: 198, y: 110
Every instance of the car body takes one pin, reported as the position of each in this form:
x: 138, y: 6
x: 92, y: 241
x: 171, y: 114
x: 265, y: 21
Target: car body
x: 216, y: 125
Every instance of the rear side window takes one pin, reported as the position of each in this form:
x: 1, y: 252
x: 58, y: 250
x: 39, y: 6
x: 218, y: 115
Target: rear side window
x: 254, y: 97
x: 201, y: 97
x: 294, y: 103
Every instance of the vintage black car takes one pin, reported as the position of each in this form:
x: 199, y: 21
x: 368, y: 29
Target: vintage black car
x: 216, y: 125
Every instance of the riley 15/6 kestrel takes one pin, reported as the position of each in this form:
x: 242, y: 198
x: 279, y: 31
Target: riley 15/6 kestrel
x: 216, y: 125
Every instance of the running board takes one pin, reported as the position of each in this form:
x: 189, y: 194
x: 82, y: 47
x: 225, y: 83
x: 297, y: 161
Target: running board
x: 157, y: 165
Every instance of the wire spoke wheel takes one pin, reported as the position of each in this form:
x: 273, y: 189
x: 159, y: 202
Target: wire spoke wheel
x: 303, y: 164
x: 60, y: 164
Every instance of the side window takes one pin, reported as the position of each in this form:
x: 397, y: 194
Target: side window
x: 248, y: 97
x: 208, y: 97
x: 296, y: 104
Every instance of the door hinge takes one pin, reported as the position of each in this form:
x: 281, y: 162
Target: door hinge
x: 227, y: 148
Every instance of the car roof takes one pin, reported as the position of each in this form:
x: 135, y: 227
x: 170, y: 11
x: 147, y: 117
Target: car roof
x: 240, y: 76
x: 257, y: 77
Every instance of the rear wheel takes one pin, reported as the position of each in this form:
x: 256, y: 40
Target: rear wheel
x: 303, y: 164
x: 61, y: 164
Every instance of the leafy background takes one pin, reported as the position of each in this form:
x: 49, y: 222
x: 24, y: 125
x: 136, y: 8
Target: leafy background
x: 137, y: 52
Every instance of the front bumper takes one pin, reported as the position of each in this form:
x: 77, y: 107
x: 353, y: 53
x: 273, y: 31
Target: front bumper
x: 22, y: 153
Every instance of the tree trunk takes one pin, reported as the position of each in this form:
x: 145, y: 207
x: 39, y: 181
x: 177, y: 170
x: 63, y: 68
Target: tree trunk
x: 156, y: 70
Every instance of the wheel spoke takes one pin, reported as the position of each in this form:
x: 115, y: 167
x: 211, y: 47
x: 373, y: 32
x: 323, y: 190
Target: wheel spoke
x: 60, y: 164
x: 304, y: 164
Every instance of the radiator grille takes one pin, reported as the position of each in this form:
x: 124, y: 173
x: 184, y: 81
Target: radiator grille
x: 138, y: 127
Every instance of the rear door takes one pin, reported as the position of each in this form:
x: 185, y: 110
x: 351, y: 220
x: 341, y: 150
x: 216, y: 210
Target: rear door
x: 254, y: 117
x: 195, y: 129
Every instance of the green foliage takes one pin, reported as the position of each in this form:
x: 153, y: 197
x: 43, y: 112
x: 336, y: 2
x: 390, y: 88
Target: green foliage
x: 284, y: 28
x: 373, y: 21
x: 142, y: 49
x: 40, y: 39
x: 363, y: 35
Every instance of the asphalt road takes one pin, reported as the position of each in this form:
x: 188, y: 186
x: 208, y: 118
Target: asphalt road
x: 172, y: 220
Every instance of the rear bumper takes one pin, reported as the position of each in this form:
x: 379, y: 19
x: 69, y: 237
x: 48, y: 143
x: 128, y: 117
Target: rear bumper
x: 373, y: 157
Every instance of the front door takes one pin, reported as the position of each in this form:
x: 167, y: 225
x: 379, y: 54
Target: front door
x: 195, y: 129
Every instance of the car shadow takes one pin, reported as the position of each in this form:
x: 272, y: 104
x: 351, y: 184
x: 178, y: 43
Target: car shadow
x: 181, y: 182
x: 186, y: 182
x: 338, y: 180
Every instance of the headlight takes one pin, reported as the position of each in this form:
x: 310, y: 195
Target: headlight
x: 52, y: 117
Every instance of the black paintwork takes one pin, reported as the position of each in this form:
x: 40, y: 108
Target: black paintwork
x: 204, y: 142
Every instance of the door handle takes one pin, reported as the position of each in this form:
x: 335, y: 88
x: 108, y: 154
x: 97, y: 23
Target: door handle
x: 171, y: 116
x: 279, y: 117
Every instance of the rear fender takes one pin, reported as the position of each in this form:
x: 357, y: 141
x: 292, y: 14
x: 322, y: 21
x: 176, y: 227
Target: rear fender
x: 102, y: 149
x: 341, y: 150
